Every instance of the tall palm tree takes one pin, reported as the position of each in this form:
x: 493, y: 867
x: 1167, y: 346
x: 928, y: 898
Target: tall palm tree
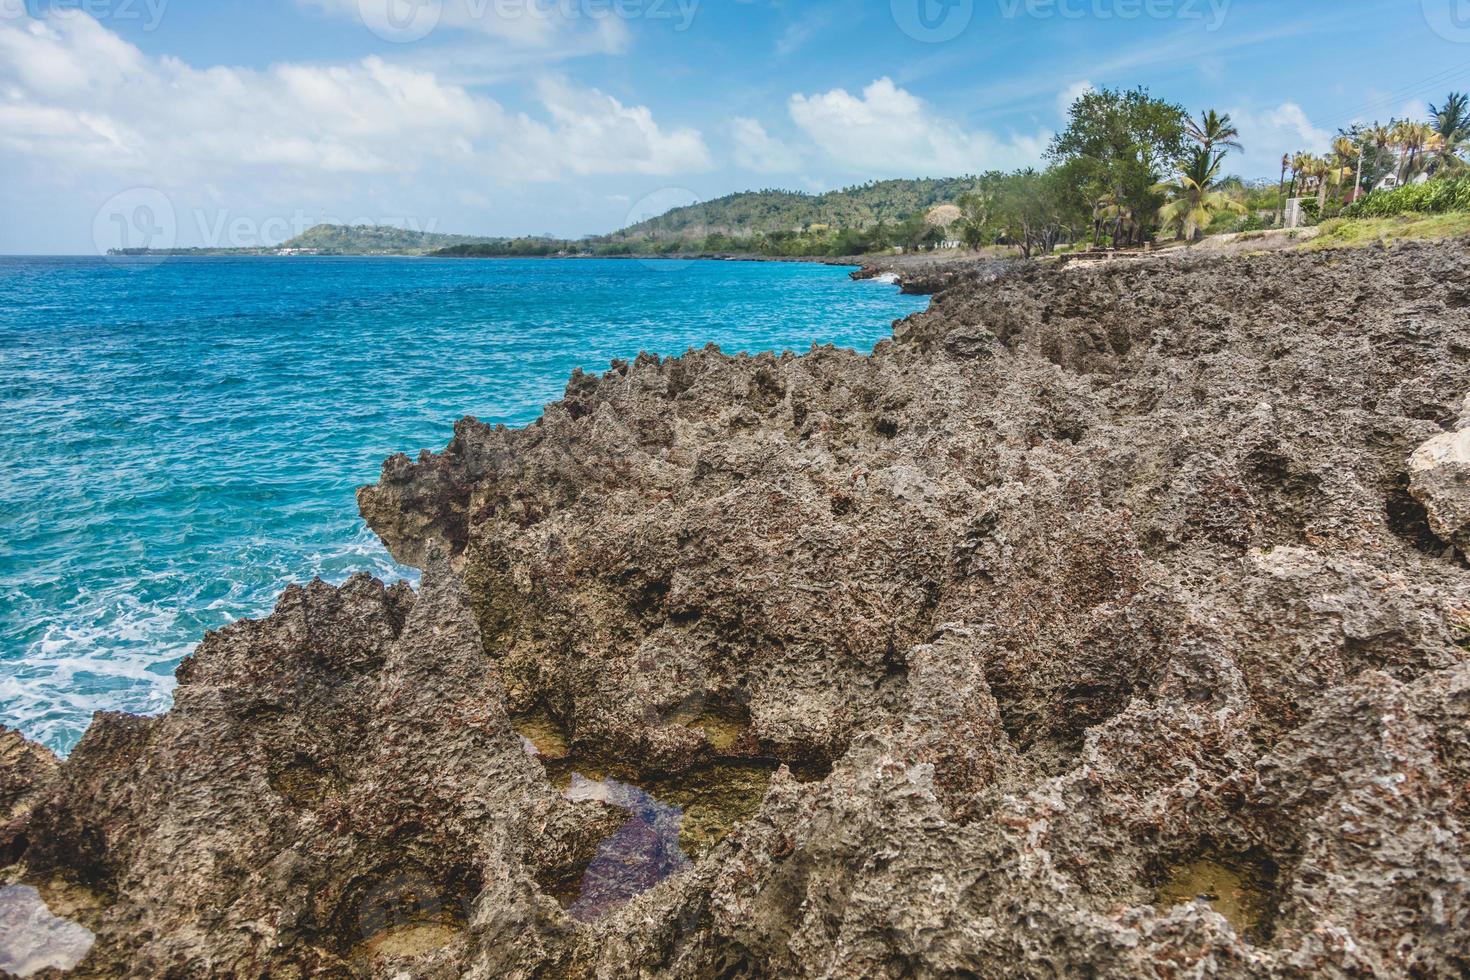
x: 1344, y: 152
x: 1411, y: 137
x: 1435, y: 150
x: 1426, y: 145
x: 1195, y: 199
x: 1379, y: 137
x: 1299, y: 162
x: 1451, y: 124
x: 1318, y: 169
x: 1452, y: 120
x: 1213, y: 129
x: 1400, y: 137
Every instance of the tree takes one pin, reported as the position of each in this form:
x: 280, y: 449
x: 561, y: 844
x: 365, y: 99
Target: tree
x: 1029, y: 209
x: 1213, y: 129
x: 1452, y: 128
x: 1317, y: 169
x: 1398, y: 138
x: 1378, y: 159
x: 1344, y: 154
x: 1194, y: 199
x: 973, y: 234
x: 976, y: 228
x: 1117, y: 144
x: 881, y: 235
x: 914, y: 233
x: 1411, y: 138
x: 1299, y: 164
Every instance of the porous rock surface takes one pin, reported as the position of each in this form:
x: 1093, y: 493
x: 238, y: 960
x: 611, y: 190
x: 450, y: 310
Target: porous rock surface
x: 1085, y: 577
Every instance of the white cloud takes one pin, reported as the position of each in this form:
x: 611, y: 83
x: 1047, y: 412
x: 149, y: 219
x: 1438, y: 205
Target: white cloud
x: 793, y: 39
x: 890, y: 132
x: 757, y: 150
x: 1268, y: 133
x: 1071, y: 94
x: 75, y: 96
x: 66, y: 60
x: 1415, y: 109
x: 522, y: 23
x: 595, y: 133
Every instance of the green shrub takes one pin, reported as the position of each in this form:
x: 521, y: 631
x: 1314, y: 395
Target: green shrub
x: 1439, y: 196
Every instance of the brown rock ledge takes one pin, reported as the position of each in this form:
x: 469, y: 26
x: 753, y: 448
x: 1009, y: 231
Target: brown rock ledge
x: 1090, y: 589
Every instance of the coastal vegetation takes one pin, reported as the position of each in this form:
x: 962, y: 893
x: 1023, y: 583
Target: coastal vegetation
x: 333, y: 239
x: 775, y: 212
x: 328, y: 239
x: 1349, y: 232
x: 1195, y: 200
x: 1128, y: 168
x: 1450, y: 193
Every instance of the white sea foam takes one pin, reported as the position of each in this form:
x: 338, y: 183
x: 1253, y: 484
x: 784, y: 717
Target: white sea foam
x: 111, y: 651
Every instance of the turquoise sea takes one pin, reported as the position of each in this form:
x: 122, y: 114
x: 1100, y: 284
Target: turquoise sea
x: 182, y: 439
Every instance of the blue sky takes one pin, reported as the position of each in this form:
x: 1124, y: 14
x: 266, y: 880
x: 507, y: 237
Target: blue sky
x: 239, y: 122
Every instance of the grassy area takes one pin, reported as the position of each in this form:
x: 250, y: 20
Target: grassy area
x: 1352, y: 232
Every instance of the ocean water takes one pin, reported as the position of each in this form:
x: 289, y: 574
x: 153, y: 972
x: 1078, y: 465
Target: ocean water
x: 183, y: 439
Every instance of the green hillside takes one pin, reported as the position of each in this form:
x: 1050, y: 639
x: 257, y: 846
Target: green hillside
x: 375, y: 240
x: 769, y: 212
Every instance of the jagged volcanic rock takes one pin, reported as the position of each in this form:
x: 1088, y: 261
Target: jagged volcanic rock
x: 1091, y: 626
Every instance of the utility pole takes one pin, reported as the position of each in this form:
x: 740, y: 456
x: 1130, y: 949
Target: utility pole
x: 1358, y: 187
x: 1281, y: 193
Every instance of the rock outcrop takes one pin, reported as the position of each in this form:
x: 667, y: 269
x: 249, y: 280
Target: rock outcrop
x: 1097, y: 624
x: 1439, y: 476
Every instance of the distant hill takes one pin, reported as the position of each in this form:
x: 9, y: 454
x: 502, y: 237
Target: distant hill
x: 374, y: 240
x: 769, y: 222
x: 855, y: 220
x: 773, y: 212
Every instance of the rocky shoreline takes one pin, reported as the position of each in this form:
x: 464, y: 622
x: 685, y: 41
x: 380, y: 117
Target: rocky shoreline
x: 1107, y: 621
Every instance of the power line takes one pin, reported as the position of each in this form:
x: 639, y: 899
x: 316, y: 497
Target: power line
x: 1450, y: 76
x: 1438, y: 78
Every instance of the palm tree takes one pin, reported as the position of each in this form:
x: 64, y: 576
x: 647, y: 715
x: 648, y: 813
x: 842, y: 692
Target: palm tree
x: 1213, y: 129
x: 1412, y: 138
x: 1435, y: 150
x: 1400, y: 136
x: 1451, y: 125
x: 1378, y: 136
x: 1299, y: 162
x: 1452, y: 120
x: 1317, y: 169
x: 1344, y: 151
x: 1195, y: 199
